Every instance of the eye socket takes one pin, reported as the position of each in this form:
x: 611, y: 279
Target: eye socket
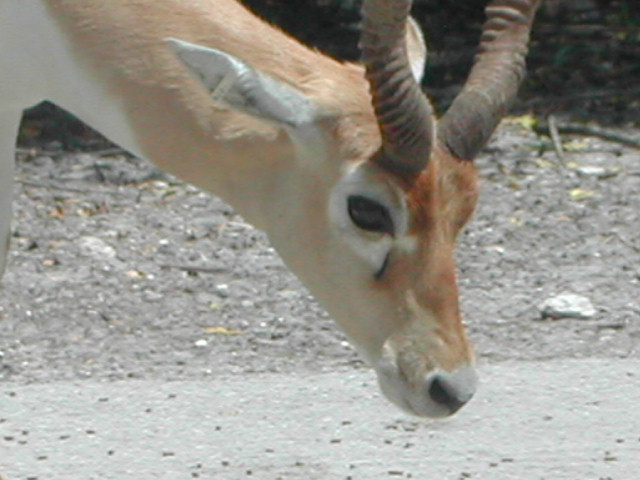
x: 369, y: 215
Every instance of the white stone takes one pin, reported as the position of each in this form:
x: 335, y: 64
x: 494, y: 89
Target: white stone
x: 567, y: 305
x: 96, y: 247
x: 596, y: 171
x: 222, y: 290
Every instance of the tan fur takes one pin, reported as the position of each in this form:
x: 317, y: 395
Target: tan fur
x: 122, y: 41
x: 441, y: 202
x: 169, y: 118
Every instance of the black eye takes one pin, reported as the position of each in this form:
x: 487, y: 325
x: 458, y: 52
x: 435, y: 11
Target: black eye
x: 369, y: 215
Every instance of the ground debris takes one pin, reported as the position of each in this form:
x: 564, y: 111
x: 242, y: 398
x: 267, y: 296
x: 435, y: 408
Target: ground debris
x: 567, y: 305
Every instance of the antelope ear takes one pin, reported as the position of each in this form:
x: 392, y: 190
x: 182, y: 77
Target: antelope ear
x: 241, y: 87
x: 416, y: 49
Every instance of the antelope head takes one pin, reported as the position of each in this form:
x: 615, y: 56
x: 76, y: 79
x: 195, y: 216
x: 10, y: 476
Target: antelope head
x: 368, y: 218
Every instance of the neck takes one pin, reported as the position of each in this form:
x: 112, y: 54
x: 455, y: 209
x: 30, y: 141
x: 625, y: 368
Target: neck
x: 136, y: 93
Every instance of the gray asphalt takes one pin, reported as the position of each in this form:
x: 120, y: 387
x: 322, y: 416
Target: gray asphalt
x: 573, y: 420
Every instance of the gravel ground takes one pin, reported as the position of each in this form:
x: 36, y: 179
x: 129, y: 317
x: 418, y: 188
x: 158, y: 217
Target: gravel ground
x: 117, y: 271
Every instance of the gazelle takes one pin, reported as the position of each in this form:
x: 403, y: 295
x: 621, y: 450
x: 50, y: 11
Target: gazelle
x: 344, y: 166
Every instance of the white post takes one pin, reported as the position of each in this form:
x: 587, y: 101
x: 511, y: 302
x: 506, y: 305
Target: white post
x: 9, y: 123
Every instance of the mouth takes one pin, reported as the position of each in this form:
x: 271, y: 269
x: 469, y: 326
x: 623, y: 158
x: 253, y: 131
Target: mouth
x: 438, y: 394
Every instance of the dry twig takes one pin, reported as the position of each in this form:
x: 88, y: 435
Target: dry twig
x: 52, y: 186
x: 555, y: 138
x: 194, y: 268
x: 545, y: 128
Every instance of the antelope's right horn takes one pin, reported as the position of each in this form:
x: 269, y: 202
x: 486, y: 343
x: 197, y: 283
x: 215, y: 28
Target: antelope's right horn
x: 405, y: 116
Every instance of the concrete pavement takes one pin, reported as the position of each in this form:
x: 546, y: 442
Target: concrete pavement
x: 556, y: 420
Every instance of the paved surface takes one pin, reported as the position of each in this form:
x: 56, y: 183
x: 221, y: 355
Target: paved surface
x: 573, y: 420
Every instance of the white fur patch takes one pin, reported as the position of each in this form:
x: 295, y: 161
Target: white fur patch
x: 407, y: 244
x: 243, y: 88
x: 365, y: 180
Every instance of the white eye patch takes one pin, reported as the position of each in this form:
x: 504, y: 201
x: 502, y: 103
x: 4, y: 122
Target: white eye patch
x: 365, y: 181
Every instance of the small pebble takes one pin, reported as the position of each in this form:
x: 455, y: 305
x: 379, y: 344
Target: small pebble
x: 96, y: 247
x: 567, y: 305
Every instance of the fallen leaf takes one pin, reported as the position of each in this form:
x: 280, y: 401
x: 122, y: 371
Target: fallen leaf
x: 542, y: 163
x: 525, y: 121
x: 217, y: 330
x: 56, y: 212
x: 134, y: 274
x: 580, y: 194
x: 576, y: 145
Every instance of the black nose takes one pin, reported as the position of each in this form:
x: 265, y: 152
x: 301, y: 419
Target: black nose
x: 445, y: 392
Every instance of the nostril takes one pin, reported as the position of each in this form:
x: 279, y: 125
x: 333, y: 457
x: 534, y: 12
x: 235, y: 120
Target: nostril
x: 445, y: 392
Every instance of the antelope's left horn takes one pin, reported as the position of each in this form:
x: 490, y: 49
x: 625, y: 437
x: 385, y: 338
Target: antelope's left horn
x: 494, y: 79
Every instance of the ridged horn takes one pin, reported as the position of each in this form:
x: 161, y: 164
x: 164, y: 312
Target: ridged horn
x: 404, y: 114
x: 494, y: 79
